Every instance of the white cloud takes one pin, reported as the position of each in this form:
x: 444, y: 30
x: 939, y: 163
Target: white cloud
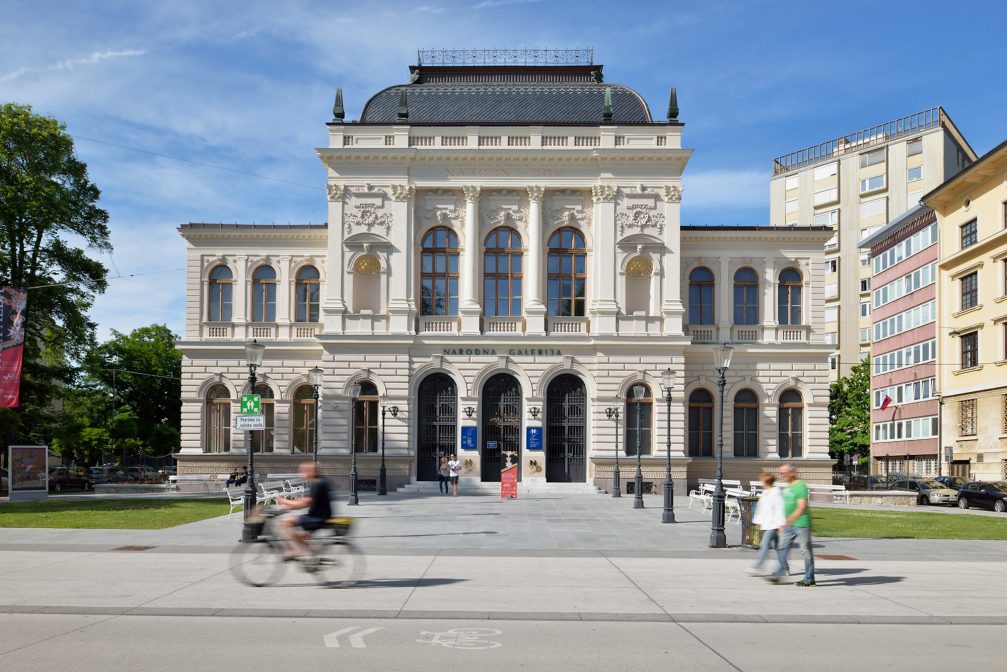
x: 726, y: 188
x: 71, y: 63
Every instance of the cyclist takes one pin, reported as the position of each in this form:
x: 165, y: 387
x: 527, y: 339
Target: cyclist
x: 295, y: 527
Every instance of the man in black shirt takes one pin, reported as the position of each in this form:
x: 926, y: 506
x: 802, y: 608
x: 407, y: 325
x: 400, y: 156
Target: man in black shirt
x: 296, y: 527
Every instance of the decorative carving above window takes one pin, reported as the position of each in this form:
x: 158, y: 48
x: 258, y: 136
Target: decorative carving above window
x: 515, y: 217
x: 575, y: 217
x: 640, y: 217
x: 368, y: 217
x: 403, y: 192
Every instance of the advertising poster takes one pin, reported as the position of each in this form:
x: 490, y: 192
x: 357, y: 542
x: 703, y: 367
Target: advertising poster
x: 28, y: 469
x: 12, y: 315
x: 508, y: 483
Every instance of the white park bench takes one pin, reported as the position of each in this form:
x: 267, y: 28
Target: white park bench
x: 704, y: 495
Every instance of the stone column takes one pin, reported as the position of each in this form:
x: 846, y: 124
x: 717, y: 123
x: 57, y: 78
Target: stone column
x: 724, y: 310
x: 334, y: 306
x: 470, y: 309
x: 534, y: 307
x: 604, y: 307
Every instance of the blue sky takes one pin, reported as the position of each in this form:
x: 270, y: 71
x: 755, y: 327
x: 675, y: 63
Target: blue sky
x: 248, y: 85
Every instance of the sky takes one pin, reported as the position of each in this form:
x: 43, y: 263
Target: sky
x: 248, y: 86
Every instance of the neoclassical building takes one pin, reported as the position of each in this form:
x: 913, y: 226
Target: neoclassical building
x: 504, y: 262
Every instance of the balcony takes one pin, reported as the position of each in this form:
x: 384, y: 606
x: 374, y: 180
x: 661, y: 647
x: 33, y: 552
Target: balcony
x: 437, y: 324
x: 746, y: 333
x: 503, y: 325
x: 214, y: 330
x: 793, y: 333
x: 262, y: 330
x: 702, y: 333
x: 304, y: 330
x: 567, y: 325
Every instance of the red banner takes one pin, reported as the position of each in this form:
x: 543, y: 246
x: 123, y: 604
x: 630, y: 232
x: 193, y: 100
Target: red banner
x: 508, y: 483
x: 13, y: 303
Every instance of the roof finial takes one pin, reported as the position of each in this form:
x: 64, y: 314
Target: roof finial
x: 403, y: 105
x: 606, y: 110
x: 673, y: 105
x: 338, y: 113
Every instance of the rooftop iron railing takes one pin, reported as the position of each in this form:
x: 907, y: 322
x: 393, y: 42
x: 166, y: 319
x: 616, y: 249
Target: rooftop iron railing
x: 505, y: 57
x: 855, y: 142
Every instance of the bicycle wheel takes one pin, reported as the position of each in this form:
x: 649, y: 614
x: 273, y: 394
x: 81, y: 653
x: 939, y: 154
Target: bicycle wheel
x: 339, y: 563
x: 257, y: 563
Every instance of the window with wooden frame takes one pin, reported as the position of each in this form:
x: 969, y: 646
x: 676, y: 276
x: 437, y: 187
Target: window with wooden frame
x: 502, y: 273
x: 220, y: 291
x: 791, y: 424
x: 217, y: 420
x: 365, y: 419
x: 306, y: 294
x: 970, y: 233
x: 746, y: 424
x: 567, y: 274
x: 639, y: 411
x: 303, y: 422
x: 746, y: 296
x: 970, y: 349
x: 264, y: 294
x: 701, y: 287
x: 789, y: 288
x: 262, y: 439
x: 700, y: 423
x: 439, y: 272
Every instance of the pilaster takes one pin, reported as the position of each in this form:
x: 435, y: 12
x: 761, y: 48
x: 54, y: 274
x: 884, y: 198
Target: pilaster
x: 671, y: 307
x: 470, y: 310
x: 722, y: 308
x: 401, y: 258
x: 604, y: 305
x: 334, y: 306
x: 534, y: 307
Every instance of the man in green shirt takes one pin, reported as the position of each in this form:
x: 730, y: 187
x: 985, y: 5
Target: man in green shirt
x: 798, y: 526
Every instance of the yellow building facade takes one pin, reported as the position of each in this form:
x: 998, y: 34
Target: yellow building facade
x: 971, y: 209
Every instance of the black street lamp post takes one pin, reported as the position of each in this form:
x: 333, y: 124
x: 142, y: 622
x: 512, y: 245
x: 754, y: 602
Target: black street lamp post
x: 616, y: 477
x: 253, y: 355
x: 668, y: 514
x: 638, y: 392
x: 722, y: 360
x: 315, y: 380
x: 382, y: 473
x: 354, y: 396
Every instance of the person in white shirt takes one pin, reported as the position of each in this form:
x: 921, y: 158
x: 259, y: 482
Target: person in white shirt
x: 455, y: 466
x: 770, y: 517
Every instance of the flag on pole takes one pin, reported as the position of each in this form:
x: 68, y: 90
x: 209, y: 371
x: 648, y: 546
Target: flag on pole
x: 886, y: 402
x: 13, y: 303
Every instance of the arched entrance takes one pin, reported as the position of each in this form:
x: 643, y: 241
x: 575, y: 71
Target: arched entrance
x: 566, y: 430
x: 436, y: 424
x: 501, y: 420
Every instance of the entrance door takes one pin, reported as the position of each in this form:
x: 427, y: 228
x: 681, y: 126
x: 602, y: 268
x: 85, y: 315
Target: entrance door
x: 566, y: 430
x: 962, y: 468
x: 436, y: 424
x: 501, y: 430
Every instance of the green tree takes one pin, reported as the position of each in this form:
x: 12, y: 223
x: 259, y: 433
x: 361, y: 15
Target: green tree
x: 50, y: 229
x: 850, y: 414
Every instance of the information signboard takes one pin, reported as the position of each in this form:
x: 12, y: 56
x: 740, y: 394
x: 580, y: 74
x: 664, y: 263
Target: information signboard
x: 244, y: 423
x: 251, y: 404
x: 508, y: 483
x: 28, y: 468
x: 533, y: 438
x: 470, y: 436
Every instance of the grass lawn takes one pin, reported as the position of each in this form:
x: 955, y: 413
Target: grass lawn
x: 873, y: 524
x: 107, y: 514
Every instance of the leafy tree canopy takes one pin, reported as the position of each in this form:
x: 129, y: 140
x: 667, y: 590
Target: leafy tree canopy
x: 850, y: 414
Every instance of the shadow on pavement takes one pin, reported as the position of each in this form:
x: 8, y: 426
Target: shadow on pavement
x: 436, y: 534
x: 405, y: 583
x: 835, y: 571
x: 862, y: 581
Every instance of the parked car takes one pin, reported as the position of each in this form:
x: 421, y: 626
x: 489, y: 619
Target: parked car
x: 865, y: 483
x: 928, y: 490
x: 956, y: 483
x: 168, y: 471
x: 99, y: 475
x: 61, y: 478
x: 984, y: 495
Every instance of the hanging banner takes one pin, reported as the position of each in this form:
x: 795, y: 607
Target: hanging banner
x: 12, y: 316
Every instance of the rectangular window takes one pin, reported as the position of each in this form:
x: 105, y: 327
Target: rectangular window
x: 833, y: 362
x: 791, y: 206
x: 970, y: 290
x: 827, y: 218
x: 865, y: 334
x: 832, y: 314
x: 914, y: 173
x: 826, y: 196
x: 791, y: 183
x: 914, y: 147
x: 967, y: 417
x: 832, y: 265
x: 872, y: 158
x: 865, y: 285
x: 865, y: 308
x: 828, y: 170
x: 865, y: 259
x: 873, y: 207
x: 913, y: 198
x: 970, y: 350
x: 872, y: 183
x: 970, y: 233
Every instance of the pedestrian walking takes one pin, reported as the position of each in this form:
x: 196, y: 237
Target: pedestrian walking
x: 444, y: 476
x: 455, y: 468
x: 770, y: 517
x: 797, y: 526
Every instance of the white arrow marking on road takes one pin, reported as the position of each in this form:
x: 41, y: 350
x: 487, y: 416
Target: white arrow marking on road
x: 356, y: 640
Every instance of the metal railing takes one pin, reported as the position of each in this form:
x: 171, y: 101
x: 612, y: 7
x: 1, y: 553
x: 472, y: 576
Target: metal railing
x: 505, y: 57
x: 854, y: 142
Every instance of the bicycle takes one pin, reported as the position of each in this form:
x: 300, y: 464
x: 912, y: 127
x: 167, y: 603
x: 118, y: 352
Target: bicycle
x: 334, y: 559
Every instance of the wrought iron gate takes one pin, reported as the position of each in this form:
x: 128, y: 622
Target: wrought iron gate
x: 436, y: 423
x: 566, y: 430
x: 501, y: 430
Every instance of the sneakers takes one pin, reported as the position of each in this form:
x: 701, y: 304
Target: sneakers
x: 805, y: 584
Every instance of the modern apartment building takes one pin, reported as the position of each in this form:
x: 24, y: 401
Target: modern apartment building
x: 904, y: 402
x: 971, y: 211
x: 857, y: 183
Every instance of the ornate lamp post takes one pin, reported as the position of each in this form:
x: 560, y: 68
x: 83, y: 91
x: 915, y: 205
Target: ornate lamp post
x: 668, y: 515
x: 354, y: 395
x: 612, y: 412
x: 253, y: 356
x: 638, y: 393
x: 722, y: 361
x: 315, y: 380
x: 382, y: 473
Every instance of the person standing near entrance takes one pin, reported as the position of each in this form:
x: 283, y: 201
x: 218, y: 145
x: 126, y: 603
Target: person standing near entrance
x: 455, y: 469
x: 443, y: 476
x: 797, y: 526
x: 770, y: 517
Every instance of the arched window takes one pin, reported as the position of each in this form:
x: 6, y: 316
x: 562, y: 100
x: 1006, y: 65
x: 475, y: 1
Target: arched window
x: 746, y: 424
x: 791, y: 422
x: 365, y: 419
x: 220, y: 292
x: 746, y: 296
x: 217, y: 420
x: 567, y: 276
x: 701, y: 296
x: 262, y: 440
x: 642, y: 411
x: 264, y: 294
x: 638, y: 273
x: 700, y: 424
x: 367, y: 284
x: 306, y: 294
x: 302, y: 420
x: 789, y: 303
x: 502, y: 273
x: 439, y: 273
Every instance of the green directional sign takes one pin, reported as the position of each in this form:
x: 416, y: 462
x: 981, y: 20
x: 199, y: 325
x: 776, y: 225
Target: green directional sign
x: 251, y: 404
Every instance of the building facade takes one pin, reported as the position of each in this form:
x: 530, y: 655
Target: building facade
x: 904, y: 399
x: 856, y: 184
x: 972, y: 316
x: 504, y: 263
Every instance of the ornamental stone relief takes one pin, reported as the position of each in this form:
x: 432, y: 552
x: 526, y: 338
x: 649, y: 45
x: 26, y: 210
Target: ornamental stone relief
x: 576, y: 217
x: 336, y: 191
x: 604, y: 193
x: 440, y: 208
x: 502, y: 207
x: 367, y: 217
x: 640, y: 217
x: 568, y: 207
x: 403, y: 192
x: 673, y: 193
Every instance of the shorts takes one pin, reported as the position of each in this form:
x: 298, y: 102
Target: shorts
x: 310, y: 523
x: 454, y: 479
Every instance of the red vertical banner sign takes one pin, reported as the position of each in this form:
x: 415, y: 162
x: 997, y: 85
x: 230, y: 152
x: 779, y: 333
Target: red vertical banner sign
x: 508, y: 483
x: 13, y: 303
